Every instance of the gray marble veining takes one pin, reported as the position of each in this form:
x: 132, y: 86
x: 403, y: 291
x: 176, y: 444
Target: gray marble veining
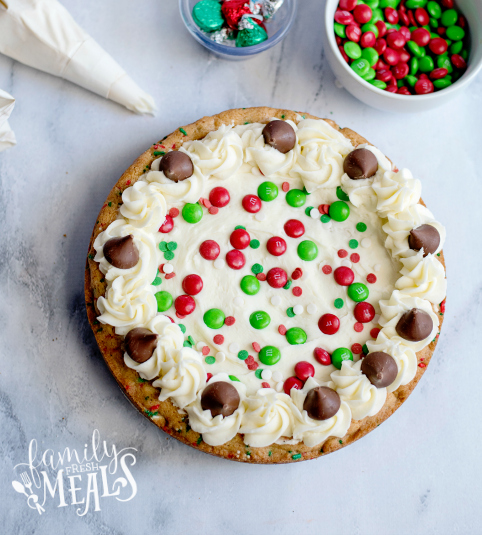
x: 418, y: 473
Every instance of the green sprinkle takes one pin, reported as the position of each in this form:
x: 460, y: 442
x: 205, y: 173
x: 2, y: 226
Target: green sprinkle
x: 339, y: 303
x: 341, y: 194
x: 239, y: 226
x: 158, y: 153
x: 258, y: 373
x: 191, y: 339
x: 308, y: 210
x: 182, y: 327
x: 209, y: 360
x: 169, y: 255
x: 361, y: 227
x: 257, y: 268
x: 243, y: 354
x: 247, y: 122
x: 99, y: 330
x: 353, y: 244
x: 187, y: 343
x: 287, y: 285
x: 163, y: 246
x: 296, y: 456
x: 325, y: 218
x: 109, y: 203
x: 234, y: 378
x: 248, y: 453
x: 140, y: 380
x: 254, y: 244
x: 290, y: 312
x: 91, y: 256
x: 183, y: 132
x: 282, y: 118
x: 172, y: 246
x: 270, y: 452
x: 157, y: 281
x: 306, y: 191
x: 438, y: 254
x: 340, y: 441
x: 199, y: 440
x: 365, y: 349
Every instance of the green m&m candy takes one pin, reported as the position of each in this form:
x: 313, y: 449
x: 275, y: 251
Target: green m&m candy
x: 358, y: 292
x: 259, y: 319
x: 371, y: 55
x: 164, y: 301
x: 339, y: 355
x: 457, y: 47
x: 442, y: 83
x: 307, y: 250
x: 269, y: 355
x: 456, y: 33
x: 370, y: 75
x: 267, y: 191
x: 369, y: 27
x: 207, y: 15
x: 214, y: 318
x: 414, y: 4
x: 449, y: 17
x: 296, y: 336
x: 378, y: 83
x: 341, y: 194
x: 426, y: 64
x: 296, y: 197
x: 434, y: 9
x: 192, y: 212
x: 339, y: 211
x: 250, y: 285
x: 389, y: 3
x: 360, y: 66
x: 443, y: 62
x: 352, y: 50
x: 340, y: 30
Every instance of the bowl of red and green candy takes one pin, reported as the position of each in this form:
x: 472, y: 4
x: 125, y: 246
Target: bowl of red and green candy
x: 404, y: 55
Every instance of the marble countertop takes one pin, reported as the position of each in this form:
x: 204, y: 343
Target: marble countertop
x: 418, y: 473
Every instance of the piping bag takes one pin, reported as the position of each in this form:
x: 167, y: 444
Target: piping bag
x: 43, y: 35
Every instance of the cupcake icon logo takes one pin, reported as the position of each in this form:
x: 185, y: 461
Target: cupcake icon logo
x: 76, y: 478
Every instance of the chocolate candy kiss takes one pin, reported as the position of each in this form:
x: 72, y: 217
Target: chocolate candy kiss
x: 360, y: 163
x: 140, y: 344
x: 415, y: 325
x: 280, y: 136
x: 321, y: 403
x: 380, y: 368
x: 121, y: 252
x: 425, y: 237
x: 220, y: 398
x: 176, y: 166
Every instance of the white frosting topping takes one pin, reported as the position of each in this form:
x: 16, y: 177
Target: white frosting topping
x: 313, y: 432
x: 239, y: 156
x: 355, y: 389
x: 220, y: 429
x: 268, y: 417
x: 170, y: 339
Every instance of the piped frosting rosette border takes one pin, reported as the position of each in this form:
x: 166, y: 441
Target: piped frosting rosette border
x: 317, y: 159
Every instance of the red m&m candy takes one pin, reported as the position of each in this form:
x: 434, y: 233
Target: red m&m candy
x: 362, y: 13
x: 294, y: 228
x: 209, y: 250
x: 421, y: 36
x: 239, y: 238
x: 304, y: 370
x: 423, y: 86
x: 438, y: 45
x: 364, y: 312
x: 192, y: 284
x: 167, y: 226
x: 276, y: 246
x: 184, y: 305
x: 292, y: 382
x: 329, y: 324
x: 219, y: 197
x: 322, y: 356
x: 251, y: 203
x: 395, y: 40
x: 344, y: 276
x: 347, y: 5
x: 277, y: 277
x: 235, y: 259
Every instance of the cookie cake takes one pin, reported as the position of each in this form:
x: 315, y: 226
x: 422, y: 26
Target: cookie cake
x: 265, y: 285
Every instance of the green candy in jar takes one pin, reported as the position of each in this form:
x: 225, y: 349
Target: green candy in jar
x: 352, y: 50
x: 434, y: 9
x: 456, y: 33
x: 449, y: 17
x: 207, y: 15
x: 360, y: 66
x: 371, y: 55
x: 251, y: 35
x: 426, y: 64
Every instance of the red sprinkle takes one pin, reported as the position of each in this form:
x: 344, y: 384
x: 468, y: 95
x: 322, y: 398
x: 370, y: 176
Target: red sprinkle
x: 358, y: 327
x: 282, y: 330
x: 249, y: 360
x: 261, y: 276
x: 374, y: 332
x: 324, y: 208
x: 256, y: 347
x: 253, y: 366
x: 342, y: 253
x: 355, y: 258
x: 180, y: 316
x: 128, y: 183
x: 442, y: 306
x: 173, y: 212
x: 218, y: 339
x: 356, y: 349
x: 371, y: 278
x: 154, y: 407
x: 326, y: 269
x: 209, y: 375
x: 265, y: 385
x: 161, y: 268
x: 422, y: 365
x: 230, y: 320
x: 205, y: 350
x: 297, y: 274
x: 170, y: 275
x: 213, y: 210
x: 285, y: 186
x: 297, y: 291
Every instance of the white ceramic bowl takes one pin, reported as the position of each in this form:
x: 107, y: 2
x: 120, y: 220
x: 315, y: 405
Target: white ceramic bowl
x: 386, y: 101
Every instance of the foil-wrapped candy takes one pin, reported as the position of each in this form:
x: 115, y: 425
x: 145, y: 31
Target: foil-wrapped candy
x: 270, y: 7
x: 221, y: 35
